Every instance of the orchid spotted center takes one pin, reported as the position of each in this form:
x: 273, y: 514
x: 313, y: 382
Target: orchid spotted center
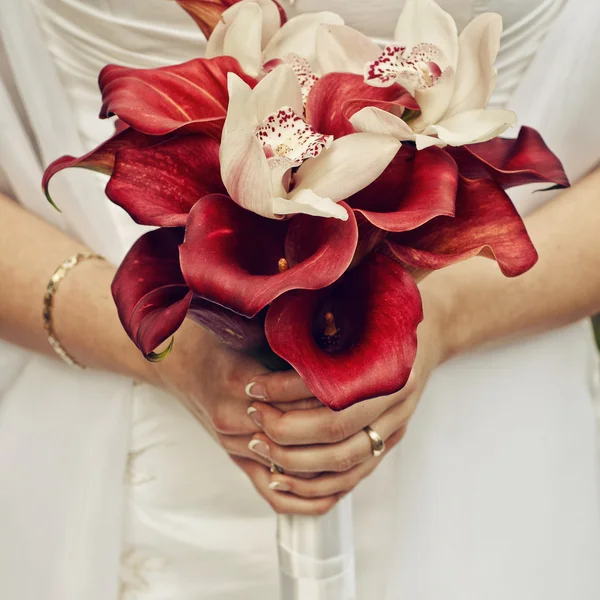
x: 288, y: 140
x: 306, y: 76
x: 415, y: 70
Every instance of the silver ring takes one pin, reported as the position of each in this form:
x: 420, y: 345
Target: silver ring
x: 377, y: 443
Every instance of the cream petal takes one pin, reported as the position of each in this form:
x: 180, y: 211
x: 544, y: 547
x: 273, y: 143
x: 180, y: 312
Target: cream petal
x: 241, y: 112
x: 279, y: 88
x: 474, y: 126
x: 245, y: 172
x: 475, y: 74
x: 341, y: 49
x: 423, y: 21
x: 426, y: 141
x: 434, y: 101
x: 271, y: 20
x: 309, y: 203
x: 374, y: 120
x: 298, y: 36
x: 348, y: 166
x: 243, y: 38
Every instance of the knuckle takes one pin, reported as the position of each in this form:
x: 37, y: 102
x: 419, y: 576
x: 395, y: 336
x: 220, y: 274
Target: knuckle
x: 343, y: 461
x: 222, y: 421
x: 277, y: 430
x: 335, y: 429
x: 225, y: 441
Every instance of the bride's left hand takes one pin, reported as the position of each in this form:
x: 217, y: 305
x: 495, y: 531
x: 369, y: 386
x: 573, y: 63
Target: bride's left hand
x: 331, y: 444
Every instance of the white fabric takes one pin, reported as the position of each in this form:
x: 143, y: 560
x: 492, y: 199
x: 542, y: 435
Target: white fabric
x: 493, y: 494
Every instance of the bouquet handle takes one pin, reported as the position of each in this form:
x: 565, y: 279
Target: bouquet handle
x: 316, y: 555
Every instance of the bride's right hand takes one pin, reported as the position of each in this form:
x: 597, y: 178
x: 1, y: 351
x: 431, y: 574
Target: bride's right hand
x: 212, y: 381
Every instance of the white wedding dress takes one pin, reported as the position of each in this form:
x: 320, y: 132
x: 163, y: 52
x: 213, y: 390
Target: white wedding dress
x: 110, y: 490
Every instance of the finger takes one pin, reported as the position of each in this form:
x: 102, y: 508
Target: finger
x: 338, y: 458
x: 318, y: 425
x: 299, y: 405
x: 331, y: 484
x: 238, y: 446
x: 285, y: 504
x: 284, y: 386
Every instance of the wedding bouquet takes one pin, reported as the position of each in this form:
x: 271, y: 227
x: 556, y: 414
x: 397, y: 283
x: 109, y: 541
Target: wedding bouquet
x: 303, y: 180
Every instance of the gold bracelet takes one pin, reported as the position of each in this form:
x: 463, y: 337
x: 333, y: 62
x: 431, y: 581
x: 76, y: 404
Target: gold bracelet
x: 53, y: 284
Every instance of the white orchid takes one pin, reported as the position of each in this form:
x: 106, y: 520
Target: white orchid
x: 251, y: 32
x: 451, y: 77
x: 274, y: 163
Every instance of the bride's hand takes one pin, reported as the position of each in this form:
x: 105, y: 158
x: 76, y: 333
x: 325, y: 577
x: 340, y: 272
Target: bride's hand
x: 212, y: 381
x: 332, y: 444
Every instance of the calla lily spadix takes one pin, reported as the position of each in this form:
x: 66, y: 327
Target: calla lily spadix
x: 451, y: 77
x: 275, y: 164
x: 252, y: 32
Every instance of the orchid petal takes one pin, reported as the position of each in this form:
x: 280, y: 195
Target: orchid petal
x: 299, y: 36
x: 348, y: 166
x: 242, y: 109
x: 434, y: 101
x: 475, y: 74
x: 473, y: 126
x: 377, y: 308
x: 344, y: 50
x: 232, y: 257
x: 279, y: 88
x: 375, y: 120
x: 243, y: 38
x: 424, y: 22
x: 245, y: 172
x: 308, y: 203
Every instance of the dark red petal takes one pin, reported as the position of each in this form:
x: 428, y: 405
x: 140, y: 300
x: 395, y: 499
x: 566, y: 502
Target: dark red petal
x: 158, y: 101
x: 159, y: 185
x: 338, y: 96
x: 230, y: 256
x: 377, y: 307
x: 150, y: 293
x: 102, y: 158
x: 415, y: 188
x: 524, y: 160
x: 207, y: 13
x: 486, y: 221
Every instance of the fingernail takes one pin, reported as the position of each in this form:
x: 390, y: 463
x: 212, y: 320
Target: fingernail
x: 256, y: 416
x: 256, y: 391
x: 259, y: 448
x: 279, y: 486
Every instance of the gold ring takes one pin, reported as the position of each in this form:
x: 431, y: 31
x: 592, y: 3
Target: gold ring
x: 377, y: 443
x: 276, y: 469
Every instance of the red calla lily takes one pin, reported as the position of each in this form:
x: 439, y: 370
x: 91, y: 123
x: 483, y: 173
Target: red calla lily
x: 151, y: 295
x: 370, y: 349
x: 207, y: 13
x: 338, y: 96
x: 159, y: 185
x: 156, y: 179
x: 415, y: 188
x: 192, y: 95
x: 511, y: 162
x: 102, y: 158
x: 486, y: 221
x: 153, y: 299
x: 243, y: 261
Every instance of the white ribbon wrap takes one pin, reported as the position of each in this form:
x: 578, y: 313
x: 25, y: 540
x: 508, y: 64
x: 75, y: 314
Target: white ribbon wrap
x: 316, y: 555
